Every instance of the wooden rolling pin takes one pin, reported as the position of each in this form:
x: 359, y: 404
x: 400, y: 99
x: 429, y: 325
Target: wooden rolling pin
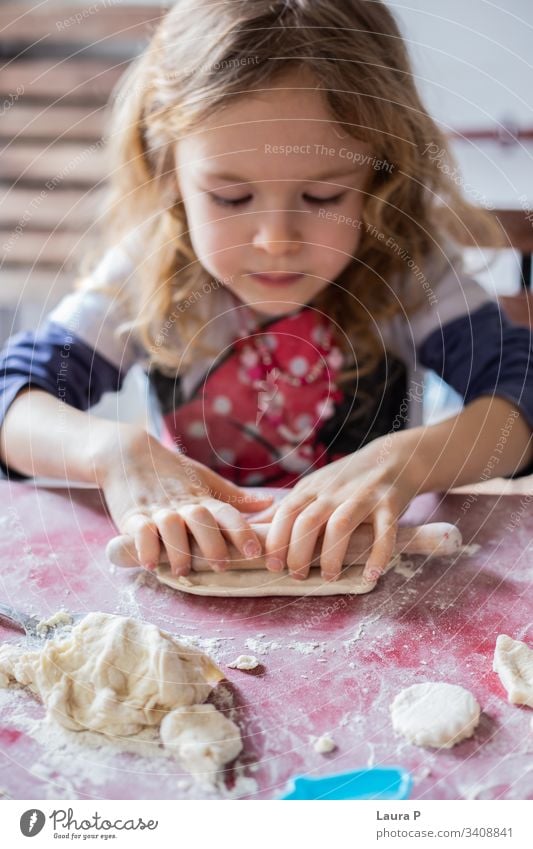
x: 435, y: 539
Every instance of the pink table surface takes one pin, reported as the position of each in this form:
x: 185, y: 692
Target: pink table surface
x: 328, y: 664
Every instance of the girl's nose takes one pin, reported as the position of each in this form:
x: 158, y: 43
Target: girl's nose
x: 276, y: 233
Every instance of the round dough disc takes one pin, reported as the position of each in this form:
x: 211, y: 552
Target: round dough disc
x: 435, y: 714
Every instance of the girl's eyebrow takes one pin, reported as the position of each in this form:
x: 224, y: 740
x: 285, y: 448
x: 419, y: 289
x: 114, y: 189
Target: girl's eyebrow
x: 233, y: 178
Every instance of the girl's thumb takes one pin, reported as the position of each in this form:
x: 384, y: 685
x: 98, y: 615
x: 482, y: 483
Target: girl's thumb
x: 251, y: 502
x: 246, y: 502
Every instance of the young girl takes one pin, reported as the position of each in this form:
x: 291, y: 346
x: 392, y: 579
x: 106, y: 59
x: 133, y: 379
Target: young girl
x: 281, y: 264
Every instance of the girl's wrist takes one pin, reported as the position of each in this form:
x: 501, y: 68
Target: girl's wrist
x: 108, y: 441
x: 396, y: 455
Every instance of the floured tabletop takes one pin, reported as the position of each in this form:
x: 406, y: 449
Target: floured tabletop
x: 327, y: 665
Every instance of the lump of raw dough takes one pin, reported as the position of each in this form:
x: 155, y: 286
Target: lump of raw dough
x: 111, y: 674
x: 513, y: 661
x: 435, y: 714
x: 202, y: 738
x: 246, y: 662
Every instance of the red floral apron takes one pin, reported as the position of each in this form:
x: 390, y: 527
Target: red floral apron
x: 256, y: 416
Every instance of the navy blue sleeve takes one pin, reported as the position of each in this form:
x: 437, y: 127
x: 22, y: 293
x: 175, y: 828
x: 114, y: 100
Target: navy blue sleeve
x: 57, y: 362
x: 483, y: 353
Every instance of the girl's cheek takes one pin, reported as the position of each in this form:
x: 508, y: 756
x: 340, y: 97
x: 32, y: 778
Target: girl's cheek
x: 342, y: 235
x: 210, y: 236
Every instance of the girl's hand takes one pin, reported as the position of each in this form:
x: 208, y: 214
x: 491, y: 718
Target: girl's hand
x: 157, y: 496
x: 367, y: 486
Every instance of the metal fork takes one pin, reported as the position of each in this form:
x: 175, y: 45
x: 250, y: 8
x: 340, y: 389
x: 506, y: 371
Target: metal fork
x: 24, y: 622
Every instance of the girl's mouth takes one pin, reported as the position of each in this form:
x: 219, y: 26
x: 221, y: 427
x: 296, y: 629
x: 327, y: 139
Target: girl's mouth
x: 277, y: 279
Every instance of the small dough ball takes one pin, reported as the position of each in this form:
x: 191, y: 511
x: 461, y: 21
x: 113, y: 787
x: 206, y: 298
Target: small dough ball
x: 513, y: 661
x: 435, y: 714
x: 324, y: 744
x: 202, y: 738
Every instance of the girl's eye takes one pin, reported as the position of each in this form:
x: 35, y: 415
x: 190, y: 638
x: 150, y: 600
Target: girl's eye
x: 334, y: 199
x: 240, y: 201
x: 230, y: 201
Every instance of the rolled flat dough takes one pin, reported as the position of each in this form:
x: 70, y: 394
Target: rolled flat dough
x: 253, y: 583
x: 435, y: 714
x: 117, y: 676
x: 513, y: 661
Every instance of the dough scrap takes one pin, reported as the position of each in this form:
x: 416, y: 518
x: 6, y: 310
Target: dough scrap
x: 435, y: 714
x: 117, y: 676
x: 246, y: 662
x: 202, y: 738
x: 57, y: 620
x: 324, y: 744
x: 513, y: 661
x: 255, y: 583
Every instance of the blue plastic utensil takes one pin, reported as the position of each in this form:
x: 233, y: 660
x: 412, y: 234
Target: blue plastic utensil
x: 376, y: 783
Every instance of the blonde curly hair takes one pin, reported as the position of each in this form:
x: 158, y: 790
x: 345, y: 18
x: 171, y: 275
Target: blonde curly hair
x: 205, y: 54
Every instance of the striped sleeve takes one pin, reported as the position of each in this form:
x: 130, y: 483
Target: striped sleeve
x: 483, y: 353
x: 78, y: 354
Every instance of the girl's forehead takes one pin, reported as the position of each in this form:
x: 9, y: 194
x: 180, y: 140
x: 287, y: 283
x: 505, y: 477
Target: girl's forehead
x: 282, y: 129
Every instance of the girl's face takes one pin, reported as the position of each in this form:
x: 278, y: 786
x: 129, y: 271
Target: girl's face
x: 273, y: 186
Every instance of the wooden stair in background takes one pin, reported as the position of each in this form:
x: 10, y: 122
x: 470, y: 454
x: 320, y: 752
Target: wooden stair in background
x: 60, y: 63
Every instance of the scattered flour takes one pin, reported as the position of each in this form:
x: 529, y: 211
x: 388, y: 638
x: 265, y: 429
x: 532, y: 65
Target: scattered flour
x: 259, y: 646
x: 406, y: 568
x: 421, y: 774
x: 306, y: 647
x: 349, y: 644
x: 469, y: 550
x: 244, y: 786
x: 213, y: 646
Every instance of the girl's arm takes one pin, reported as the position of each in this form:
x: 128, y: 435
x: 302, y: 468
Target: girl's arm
x: 489, y: 438
x: 376, y: 484
x: 44, y: 437
x: 156, y: 495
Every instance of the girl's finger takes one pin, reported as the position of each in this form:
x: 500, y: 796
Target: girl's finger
x: 279, y: 533
x: 385, y: 532
x: 205, y: 530
x: 305, y: 532
x: 266, y: 516
x: 339, y: 529
x: 241, y: 499
x: 173, y: 533
x: 235, y: 528
x: 146, y: 537
x: 251, y: 502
